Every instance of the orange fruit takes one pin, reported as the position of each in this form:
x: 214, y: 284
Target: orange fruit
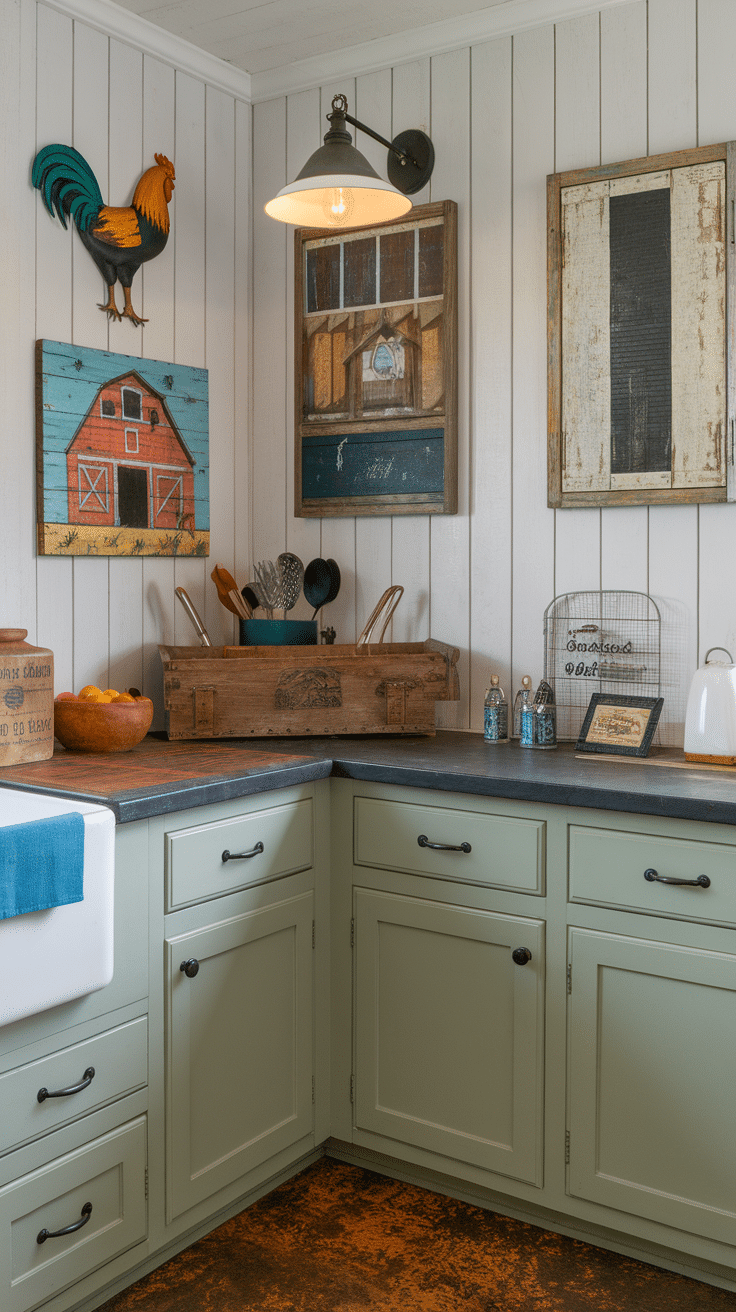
x: 112, y: 693
x: 94, y: 695
x: 123, y: 697
x: 90, y: 689
x: 65, y: 697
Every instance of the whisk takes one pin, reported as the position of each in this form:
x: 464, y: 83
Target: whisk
x: 268, y: 585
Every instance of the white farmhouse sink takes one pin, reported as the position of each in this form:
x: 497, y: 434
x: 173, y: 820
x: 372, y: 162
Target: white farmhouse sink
x: 49, y: 957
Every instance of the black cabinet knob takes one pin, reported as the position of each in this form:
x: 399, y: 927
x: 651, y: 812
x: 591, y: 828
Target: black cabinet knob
x: 521, y: 956
x: 190, y: 967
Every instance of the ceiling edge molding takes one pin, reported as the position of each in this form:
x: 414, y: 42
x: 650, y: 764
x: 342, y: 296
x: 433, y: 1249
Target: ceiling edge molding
x: 173, y: 50
x: 501, y: 20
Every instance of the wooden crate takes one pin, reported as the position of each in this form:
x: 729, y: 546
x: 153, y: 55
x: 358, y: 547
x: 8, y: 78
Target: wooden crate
x: 241, y: 692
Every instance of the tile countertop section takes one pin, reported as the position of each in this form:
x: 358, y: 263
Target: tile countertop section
x: 159, y: 777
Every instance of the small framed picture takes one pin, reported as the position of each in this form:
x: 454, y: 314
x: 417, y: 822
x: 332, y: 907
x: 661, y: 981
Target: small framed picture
x: 619, y: 726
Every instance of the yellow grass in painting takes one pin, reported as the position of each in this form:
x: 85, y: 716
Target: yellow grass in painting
x: 89, y: 540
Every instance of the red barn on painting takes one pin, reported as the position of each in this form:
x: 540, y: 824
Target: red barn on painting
x: 127, y: 464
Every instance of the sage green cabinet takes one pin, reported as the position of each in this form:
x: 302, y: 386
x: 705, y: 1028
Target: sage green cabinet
x: 652, y: 1075
x: 239, y: 1045
x: 449, y: 1031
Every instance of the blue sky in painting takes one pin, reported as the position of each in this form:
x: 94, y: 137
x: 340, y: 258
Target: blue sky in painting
x: 69, y: 390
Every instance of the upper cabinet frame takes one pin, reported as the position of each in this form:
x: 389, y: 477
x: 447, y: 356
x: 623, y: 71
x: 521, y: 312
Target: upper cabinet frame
x: 641, y: 310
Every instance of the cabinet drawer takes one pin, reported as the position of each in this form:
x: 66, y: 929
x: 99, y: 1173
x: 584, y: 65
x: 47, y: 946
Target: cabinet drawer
x: 607, y: 869
x: 278, y: 839
x: 109, y: 1174
x: 505, y: 852
x: 119, y: 1060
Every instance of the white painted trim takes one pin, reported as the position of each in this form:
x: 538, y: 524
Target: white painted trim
x: 404, y: 47
x: 152, y: 40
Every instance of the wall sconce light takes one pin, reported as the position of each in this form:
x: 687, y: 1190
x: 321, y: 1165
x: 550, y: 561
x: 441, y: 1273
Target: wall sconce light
x: 338, y: 188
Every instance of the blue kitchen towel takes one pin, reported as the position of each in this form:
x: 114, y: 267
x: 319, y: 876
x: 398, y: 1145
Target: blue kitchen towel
x: 41, y: 864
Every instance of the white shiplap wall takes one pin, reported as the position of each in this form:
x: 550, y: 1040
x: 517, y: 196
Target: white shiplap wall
x: 629, y: 80
x: 77, y: 75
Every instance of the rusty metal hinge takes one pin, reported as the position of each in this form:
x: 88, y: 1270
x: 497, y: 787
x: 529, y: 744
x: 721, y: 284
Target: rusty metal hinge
x: 567, y: 1147
x: 352, y: 1088
x: 352, y: 933
x: 569, y: 978
x: 313, y: 933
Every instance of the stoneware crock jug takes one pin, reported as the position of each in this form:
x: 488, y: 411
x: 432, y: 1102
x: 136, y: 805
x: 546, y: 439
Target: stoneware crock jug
x: 710, y: 718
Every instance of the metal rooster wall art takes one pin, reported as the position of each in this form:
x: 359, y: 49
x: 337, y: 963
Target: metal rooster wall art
x: 119, y: 239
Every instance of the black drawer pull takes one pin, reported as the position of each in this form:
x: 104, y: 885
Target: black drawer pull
x: 190, y: 967
x: 43, y: 1235
x: 242, y: 856
x: 87, y: 1078
x: 521, y: 956
x: 702, y: 881
x: 423, y: 841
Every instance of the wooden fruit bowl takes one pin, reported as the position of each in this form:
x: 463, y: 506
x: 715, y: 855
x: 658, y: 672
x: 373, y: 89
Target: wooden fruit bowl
x: 83, y: 726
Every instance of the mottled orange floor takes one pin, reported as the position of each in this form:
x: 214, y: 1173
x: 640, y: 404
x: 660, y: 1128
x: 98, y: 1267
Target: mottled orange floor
x: 338, y: 1238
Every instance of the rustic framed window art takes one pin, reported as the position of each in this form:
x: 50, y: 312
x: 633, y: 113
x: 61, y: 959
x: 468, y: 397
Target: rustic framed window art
x: 640, y: 331
x: 375, y: 319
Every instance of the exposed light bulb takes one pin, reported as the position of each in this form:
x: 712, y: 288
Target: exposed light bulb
x: 338, y: 206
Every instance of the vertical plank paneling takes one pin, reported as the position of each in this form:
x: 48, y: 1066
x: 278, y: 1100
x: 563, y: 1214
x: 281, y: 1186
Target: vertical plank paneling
x: 716, y: 49
x: 625, y: 529
x: 220, y: 314
x: 673, y: 530
x: 18, y: 223
x: 450, y: 599
x: 338, y: 537
x: 410, y: 551
x: 271, y: 333
x: 125, y: 576
x: 305, y: 130
x: 490, y: 320
x: 54, y: 82
x: 373, y: 533
x: 241, y: 346
x: 157, y: 339
x: 577, y: 145
x: 533, y: 523
x: 190, y: 293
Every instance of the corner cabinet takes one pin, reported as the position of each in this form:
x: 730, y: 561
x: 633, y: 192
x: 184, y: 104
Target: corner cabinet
x: 543, y: 1010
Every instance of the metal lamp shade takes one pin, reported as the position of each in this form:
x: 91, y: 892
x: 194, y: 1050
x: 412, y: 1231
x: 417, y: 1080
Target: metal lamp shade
x: 337, y: 188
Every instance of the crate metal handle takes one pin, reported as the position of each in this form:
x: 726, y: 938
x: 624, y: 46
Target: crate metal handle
x: 87, y: 1079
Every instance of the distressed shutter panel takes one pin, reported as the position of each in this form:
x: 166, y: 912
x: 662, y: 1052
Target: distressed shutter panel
x: 586, y: 346
x: 698, y: 323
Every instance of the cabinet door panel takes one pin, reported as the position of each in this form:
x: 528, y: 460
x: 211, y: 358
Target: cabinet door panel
x: 449, y: 1031
x: 652, y: 1074
x: 239, y: 1066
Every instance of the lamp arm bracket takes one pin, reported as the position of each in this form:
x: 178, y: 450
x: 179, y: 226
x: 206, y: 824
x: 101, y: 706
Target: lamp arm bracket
x: 389, y: 145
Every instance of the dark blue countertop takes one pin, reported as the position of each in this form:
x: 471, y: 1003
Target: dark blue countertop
x: 159, y: 777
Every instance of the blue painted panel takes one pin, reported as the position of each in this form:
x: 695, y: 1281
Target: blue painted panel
x: 374, y: 464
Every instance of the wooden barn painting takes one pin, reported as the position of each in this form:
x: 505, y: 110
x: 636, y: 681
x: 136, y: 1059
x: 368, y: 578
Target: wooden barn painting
x: 122, y: 454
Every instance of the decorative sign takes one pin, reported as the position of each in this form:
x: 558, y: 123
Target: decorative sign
x: 376, y: 367
x: 122, y: 455
x: 620, y: 726
x: 640, y: 273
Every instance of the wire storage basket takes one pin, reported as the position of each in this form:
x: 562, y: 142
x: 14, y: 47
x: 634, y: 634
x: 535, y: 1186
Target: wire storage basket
x: 606, y: 642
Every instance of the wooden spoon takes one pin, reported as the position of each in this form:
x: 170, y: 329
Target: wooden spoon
x: 227, y: 591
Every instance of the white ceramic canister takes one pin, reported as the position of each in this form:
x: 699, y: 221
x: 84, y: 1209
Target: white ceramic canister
x: 26, y: 699
x: 710, y: 718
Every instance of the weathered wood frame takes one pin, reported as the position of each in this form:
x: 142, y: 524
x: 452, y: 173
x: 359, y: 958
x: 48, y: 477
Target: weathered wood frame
x: 557, y: 441
x: 389, y: 503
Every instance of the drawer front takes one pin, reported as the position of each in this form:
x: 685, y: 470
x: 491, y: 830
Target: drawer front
x: 505, y: 852
x: 119, y: 1062
x: 607, y: 869
x: 109, y: 1175
x: 280, y: 839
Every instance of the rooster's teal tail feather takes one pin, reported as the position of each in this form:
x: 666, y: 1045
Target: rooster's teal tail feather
x: 67, y: 184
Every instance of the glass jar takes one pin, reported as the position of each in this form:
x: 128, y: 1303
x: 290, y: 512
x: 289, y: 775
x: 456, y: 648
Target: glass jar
x: 495, y: 713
